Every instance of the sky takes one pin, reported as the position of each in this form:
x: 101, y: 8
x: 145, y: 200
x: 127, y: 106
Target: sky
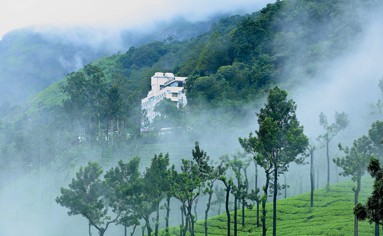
x: 112, y: 14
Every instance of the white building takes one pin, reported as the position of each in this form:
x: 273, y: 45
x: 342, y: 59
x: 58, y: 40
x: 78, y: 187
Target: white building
x: 164, y: 85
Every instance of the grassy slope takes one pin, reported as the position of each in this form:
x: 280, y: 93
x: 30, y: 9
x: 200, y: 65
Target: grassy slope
x: 331, y: 215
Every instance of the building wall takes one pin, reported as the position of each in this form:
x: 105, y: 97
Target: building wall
x: 164, y: 85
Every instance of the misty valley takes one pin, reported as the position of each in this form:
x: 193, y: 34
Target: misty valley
x: 267, y: 121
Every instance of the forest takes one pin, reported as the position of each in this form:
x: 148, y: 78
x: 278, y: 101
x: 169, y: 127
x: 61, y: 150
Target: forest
x: 251, y: 146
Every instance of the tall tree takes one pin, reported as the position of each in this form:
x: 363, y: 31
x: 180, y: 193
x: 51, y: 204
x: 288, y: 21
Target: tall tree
x: 209, y: 174
x: 254, y: 194
x: 219, y: 198
x: 155, y: 186
x: 375, y: 134
x: 373, y: 209
x: 121, y: 181
x: 86, y: 196
x: 278, y: 142
x: 228, y: 187
x: 354, y: 164
x: 311, y: 149
x: 238, y: 164
x: 186, y: 184
x: 111, y: 112
x: 331, y: 130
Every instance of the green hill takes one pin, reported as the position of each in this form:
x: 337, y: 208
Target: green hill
x: 240, y: 57
x: 229, y: 68
x: 332, y: 215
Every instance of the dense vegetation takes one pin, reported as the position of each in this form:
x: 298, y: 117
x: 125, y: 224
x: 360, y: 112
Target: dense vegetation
x: 94, y: 113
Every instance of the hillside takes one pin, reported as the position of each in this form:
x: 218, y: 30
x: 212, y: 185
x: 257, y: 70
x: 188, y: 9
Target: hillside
x: 240, y: 57
x: 332, y: 214
x: 229, y: 68
x: 33, y: 58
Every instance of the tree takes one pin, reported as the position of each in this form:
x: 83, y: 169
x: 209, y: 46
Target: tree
x: 278, y: 142
x: 238, y: 165
x: 86, y: 91
x: 169, y: 191
x: 219, y: 198
x: 168, y: 115
x: 254, y: 194
x: 311, y: 149
x: 85, y: 196
x: 122, y: 180
x: 150, y: 190
x: 186, y: 184
x: 228, y: 187
x: 375, y: 135
x: 208, y: 174
x: 111, y: 110
x: 156, y: 178
x: 373, y: 209
x: 331, y: 130
x: 354, y: 164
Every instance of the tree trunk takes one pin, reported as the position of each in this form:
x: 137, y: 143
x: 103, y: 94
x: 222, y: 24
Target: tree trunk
x: 195, y: 205
x: 356, y: 197
x: 235, y: 215
x: 256, y: 187
x: 167, y: 215
x: 257, y: 214
x: 284, y: 178
x: 157, y: 220
x: 377, y: 229
x: 275, y: 194
x: 312, y: 177
x: 125, y: 231
x: 182, y: 220
x: 192, y: 220
x: 317, y: 177
x: 243, y: 212
x: 147, y: 225
x: 244, y: 197
x: 90, y: 229
x: 134, y: 230
x: 264, y: 200
x: 187, y: 220
x: 328, y: 163
x: 228, y: 188
x: 208, y: 207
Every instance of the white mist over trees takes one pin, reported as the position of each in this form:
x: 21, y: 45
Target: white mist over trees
x: 46, y: 156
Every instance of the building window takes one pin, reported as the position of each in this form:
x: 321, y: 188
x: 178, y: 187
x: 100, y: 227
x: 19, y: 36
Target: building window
x: 174, y: 95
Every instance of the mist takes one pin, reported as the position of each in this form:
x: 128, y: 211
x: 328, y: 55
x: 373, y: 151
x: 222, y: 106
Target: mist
x: 348, y: 82
x: 114, y: 15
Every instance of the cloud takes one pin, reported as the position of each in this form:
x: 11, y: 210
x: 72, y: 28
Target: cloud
x: 112, y: 14
x: 349, y: 84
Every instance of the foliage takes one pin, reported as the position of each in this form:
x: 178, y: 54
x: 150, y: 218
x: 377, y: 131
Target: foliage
x: 356, y: 158
x: 354, y: 164
x: 372, y: 210
x: 233, y: 63
x: 375, y: 135
x: 122, y: 181
x: 332, y: 215
x: 278, y: 142
x: 86, y: 196
x: 331, y: 130
x: 169, y: 115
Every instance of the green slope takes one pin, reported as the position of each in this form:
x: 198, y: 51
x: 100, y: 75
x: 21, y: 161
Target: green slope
x: 331, y: 215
